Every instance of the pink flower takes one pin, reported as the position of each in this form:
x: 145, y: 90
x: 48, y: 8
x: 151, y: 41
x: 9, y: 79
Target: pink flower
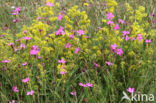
x: 50, y: 4
x: 6, y: 61
x: 96, y: 65
x: 30, y: 92
x: 22, y: 46
x: 13, y: 101
x: 24, y: 64
x: 60, y: 17
x: 34, y: 50
x: 68, y: 45
x: 80, y: 32
x: 39, y: 57
x: 133, y: 39
x: 77, y: 50
x: 62, y: 61
x: 14, y: 89
x: 119, y: 52
x: 10, y: 44
x: 125, y: 33
x: 113, y: 46
x: 71, y: 36
x: 16, y: 11
x: 127, y: 38
x: 89, y: 85
x: 110, y: 16
x: 108, y: 63
x: 27, y: 38
x: 110, y: 22
x: 73, y: 93
x: 38, y: 18
x: 63, y: 72
x: 131, y: 90
x: 25, y: 80
x: 148, y: 41
x: 121, y: 21
x: 86, y: 85
x: 139, y: 37
x: 15, y: 20
x: 60, y: 31
x: 83, y: 85
x: 116, y: 27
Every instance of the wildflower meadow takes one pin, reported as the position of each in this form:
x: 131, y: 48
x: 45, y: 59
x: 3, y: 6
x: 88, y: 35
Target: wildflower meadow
x: 78, y: 51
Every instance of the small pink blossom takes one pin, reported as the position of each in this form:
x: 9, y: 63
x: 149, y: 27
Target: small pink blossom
x: 68, y: 45
x: 73, y: 93
x: 15, y: 20
x: 133, y: 39
x: 119, y: 52
x: 121, y: 21
x: 39, y: 18
x: 113, y: 46
x: 83, y: 85
x: 16, y: 11
x: 39, y: 57
x: 116, y: 27
x: 139, y: 37
x: 22, y: 46
x: 110, y: 22
x: 86, y: 85
x: 125, y: 33
x: 77, y: 50
x: 63, y: 72
x: 13, y: 101
x: 60, y: 31
x: 25, y: 80
x: 60, y: 17
x: 25, y: 63
x: 14, y: 89
x: 10, y: 44
x: 131, y: 90
x: 127, y: 38
x: 27, y: 38
x: 49, y: 4
x: 96, y: 65
x: 71, y: 36
x: 109, y: 63
x: 62, y: 61
x: 148, y: 41
x: 89, y: 85
x: 6, y: 61
x: 30, y: 92
x: 80, y: 32
x: 110, y: 16
x: 34, y: 50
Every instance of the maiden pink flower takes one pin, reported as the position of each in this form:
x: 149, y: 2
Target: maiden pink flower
x: 10, y: 44
x: 139, y: 37
x: 110, y: 16
x: 63, y: 72
x: 15, y: 20
x: 62, y: 61
x: 119, y: 52
x: 113, y: 46
x: 148, y: 41
x: 27, y: 38
x: 25, y: 80
x: 110, y: 22
x: 109, y: 63
x: 116, y: 27
x: 131, y: 90
x: 34, y: 50
x: 121, y: 21
x: 80, y: 32
x: 71, y: 36
x: 60, y: 17
x: 68, y: 45
x: 96, y: 65
x: 127, y: 38
x: 22, y: 46
x: 24, y: 64
x: 13, y: 101
x: 6, y: 61
x: 77, y: 50
x: 125, y: 33
x: 30, y: 92
x: 16, y: 11
x: 89, y: 85
x: 60, y: 31
x: 14, y: 89
x: 49, y: 4
x: 86, y: 85
x: 83, y: 85
x: 73, y: 93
